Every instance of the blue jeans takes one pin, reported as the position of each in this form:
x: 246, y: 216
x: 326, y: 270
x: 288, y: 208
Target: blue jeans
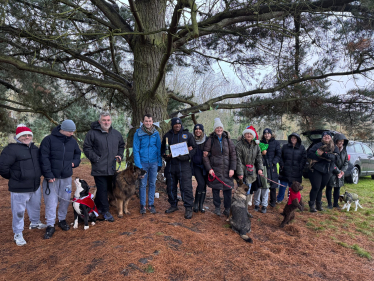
x: 282, y: 189
x: 249, y: 190
x: 151, y: 174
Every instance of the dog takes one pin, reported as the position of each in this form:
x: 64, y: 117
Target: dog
x: 83, y: 204
x: 327, y: 148
x: 123, y: 188
x: 294, y: 201
x: 239, y: 217
x: 348, y: 198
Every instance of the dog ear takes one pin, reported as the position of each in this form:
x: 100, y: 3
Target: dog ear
x: 341, y: 198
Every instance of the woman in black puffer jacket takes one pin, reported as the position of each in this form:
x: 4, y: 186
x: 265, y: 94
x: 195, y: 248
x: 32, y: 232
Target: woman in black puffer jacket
x: 337, y: 179
x: 292, y: 163
x: 321, y: 166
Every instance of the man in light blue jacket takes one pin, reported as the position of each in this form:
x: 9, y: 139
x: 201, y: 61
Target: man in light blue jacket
x: 147, y: 156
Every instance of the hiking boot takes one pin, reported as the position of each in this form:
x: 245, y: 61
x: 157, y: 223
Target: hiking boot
x: 312, y: 206
x: 108, y: 217
x: 152, y: 209
x: 18, y: 238
x: 226, y: 212
x: 201, y: 202
x: 263, y: 210
x: 63, y: 225
x: 337, y: 206
x: 257, y: 208
x: 38, y: 225
x: 217, y: 211
x: 319, y: 206
x: 142, y: 209
x: 172, y: 209
x: 279, y: 202
x: 49, y: 232
x: 196, y: 202
x: 329, y: 206
x: 188, y: 213
x: 272, y: 205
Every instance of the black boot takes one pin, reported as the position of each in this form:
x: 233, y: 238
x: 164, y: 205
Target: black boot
x: 49, y: 232
x: 196, y: 202
x: 226, y: 212
x: 188, y: 213
x: 171, y: 209
x: 319, y: 206
x: 217, y: 211
x: 201, y: 202
x: 329, y: 205
x: 312, y: 206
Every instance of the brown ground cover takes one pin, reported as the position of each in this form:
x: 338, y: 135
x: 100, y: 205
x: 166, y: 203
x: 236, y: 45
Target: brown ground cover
x: 168, y: 247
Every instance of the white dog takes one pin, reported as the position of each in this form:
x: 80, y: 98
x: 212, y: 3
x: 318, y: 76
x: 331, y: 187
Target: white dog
x: 348, y: 198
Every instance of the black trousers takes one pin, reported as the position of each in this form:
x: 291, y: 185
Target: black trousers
x: 336, y: 194
x: 103, y: 183
x: 318, y: 181
x: 273, y: 194
x: 185, y: 184
x: 201, y: 179
x: 226, y: 198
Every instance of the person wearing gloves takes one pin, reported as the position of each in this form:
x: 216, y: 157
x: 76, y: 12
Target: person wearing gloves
x: 147, y: 156
x: 337, y: 179
x: 59, y: 154
x: 178, y: 168
x: 322, y: 158
x: 293, y: 160
x: 249, y: 159
x: 19, y: 162
x: 270, y: 159
x: 221, y: 164
x: 198, y: 168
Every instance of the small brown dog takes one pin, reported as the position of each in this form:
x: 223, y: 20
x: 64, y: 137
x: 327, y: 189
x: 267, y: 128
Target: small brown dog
x: 327, y: 148
x: 124, y: 185
x: 294, y: 201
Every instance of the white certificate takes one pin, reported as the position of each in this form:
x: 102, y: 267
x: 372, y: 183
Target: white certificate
x: 179, y: 149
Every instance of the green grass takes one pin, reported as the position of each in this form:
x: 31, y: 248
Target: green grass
x: 159, y: 233
x: 226, y: 225
x: 149, y: 269
x: 361, y: 252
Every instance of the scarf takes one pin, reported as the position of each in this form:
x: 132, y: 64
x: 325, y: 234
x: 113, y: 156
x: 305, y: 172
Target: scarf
x: 150, y: 131
x: 200, y: 140
x: 87, y: 201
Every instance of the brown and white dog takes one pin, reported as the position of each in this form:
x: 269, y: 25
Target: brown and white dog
x: 124, y: 185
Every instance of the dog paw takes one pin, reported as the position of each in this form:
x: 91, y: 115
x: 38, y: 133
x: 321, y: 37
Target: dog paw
x: 92, y: 223
x: 86, y: 227
x: 120, y: 215
x: 127, y: 213
x: 75, y: 226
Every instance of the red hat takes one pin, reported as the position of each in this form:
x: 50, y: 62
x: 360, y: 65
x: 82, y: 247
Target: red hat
x: 22, y: 130
x: 251, y: 130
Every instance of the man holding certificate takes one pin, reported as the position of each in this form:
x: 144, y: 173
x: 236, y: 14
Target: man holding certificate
x: 178, y: 147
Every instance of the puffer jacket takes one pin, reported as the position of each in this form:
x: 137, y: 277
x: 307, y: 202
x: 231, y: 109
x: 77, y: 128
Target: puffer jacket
x: 101, y: 148
x: 147, y: 148
x: 326, y: 162
x: 341, y: 162
x: 293, y: 160
x: 248, y: 154
x: 271, y: 159
x: 20, y: 164
x: 220, y: 161
x: 57, y: 153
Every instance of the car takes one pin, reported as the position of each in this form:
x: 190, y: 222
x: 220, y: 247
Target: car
x: 360, y: 157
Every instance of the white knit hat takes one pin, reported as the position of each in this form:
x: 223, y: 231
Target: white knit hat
x: 22, y: 130
x: 217, y: 123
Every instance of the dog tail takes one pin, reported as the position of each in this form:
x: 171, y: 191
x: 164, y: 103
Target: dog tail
x: 246, y: 238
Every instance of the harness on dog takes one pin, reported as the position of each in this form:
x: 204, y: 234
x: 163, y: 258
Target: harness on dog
x: 214, y: 177
x: 88, y: 201
x: 293, y: 195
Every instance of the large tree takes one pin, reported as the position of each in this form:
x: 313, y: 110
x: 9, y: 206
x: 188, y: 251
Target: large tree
x: 118, y: 53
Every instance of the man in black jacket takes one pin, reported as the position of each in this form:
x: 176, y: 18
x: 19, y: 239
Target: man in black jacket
x: 19, y: 162
x: 59, y: 154
x: 178, y: 168
x: 103, y: 146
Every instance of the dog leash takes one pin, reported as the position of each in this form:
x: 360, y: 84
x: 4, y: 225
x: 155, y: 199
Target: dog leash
x: 54, y: 190
x: 273, y: 181
x: 214, y: 177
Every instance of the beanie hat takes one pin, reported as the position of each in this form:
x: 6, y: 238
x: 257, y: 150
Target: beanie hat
x: 68, y: 126
x: 326, y: 133
x: 198, y: 126
x: 22, y: 130
x: 217, y: 123
x: 251, y: 130
x: 267, y: 131
x: 175, y: 120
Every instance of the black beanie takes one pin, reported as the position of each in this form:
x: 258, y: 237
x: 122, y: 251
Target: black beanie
x: 198, y: 126
x: 175, y: 120
x: 267, y: 130
x: 326, y: 133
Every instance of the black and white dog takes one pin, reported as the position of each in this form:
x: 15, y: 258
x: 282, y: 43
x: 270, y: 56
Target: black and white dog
x: 83, y: 204
x: 348, y: 199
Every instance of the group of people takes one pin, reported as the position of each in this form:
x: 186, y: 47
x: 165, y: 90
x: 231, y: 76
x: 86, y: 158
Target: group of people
x: 214, y: 160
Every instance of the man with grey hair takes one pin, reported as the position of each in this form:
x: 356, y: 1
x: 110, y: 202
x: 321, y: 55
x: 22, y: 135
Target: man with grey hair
x: 103, y: 146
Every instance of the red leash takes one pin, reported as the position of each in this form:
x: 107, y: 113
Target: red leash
x: 214, y: 177
x: 274, y: 181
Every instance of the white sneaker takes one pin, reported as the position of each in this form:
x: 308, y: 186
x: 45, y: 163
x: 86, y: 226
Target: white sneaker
x: 250, y: 200
x: 38, y: 225
x: 18, y: 238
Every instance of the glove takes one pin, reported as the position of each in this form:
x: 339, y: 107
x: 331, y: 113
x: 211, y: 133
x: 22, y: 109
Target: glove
x: 142, y: 172
x: 159, y: 169
x: 184, y: 157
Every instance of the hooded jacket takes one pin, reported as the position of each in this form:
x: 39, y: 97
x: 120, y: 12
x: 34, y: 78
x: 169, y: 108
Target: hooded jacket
x: 221, y: 161
x: 57, y: 153
x: 101, y: 148
x: 293, y: 160
x: 20, y: 164
x: 147, y: 148
x: 341, y: 162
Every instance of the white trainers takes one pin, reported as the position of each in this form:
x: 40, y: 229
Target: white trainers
x: 18, y: 238
x: 38, y: 225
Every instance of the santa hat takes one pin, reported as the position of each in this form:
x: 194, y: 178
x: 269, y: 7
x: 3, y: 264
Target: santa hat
x: 22, y: 130
x: 251, y: 130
